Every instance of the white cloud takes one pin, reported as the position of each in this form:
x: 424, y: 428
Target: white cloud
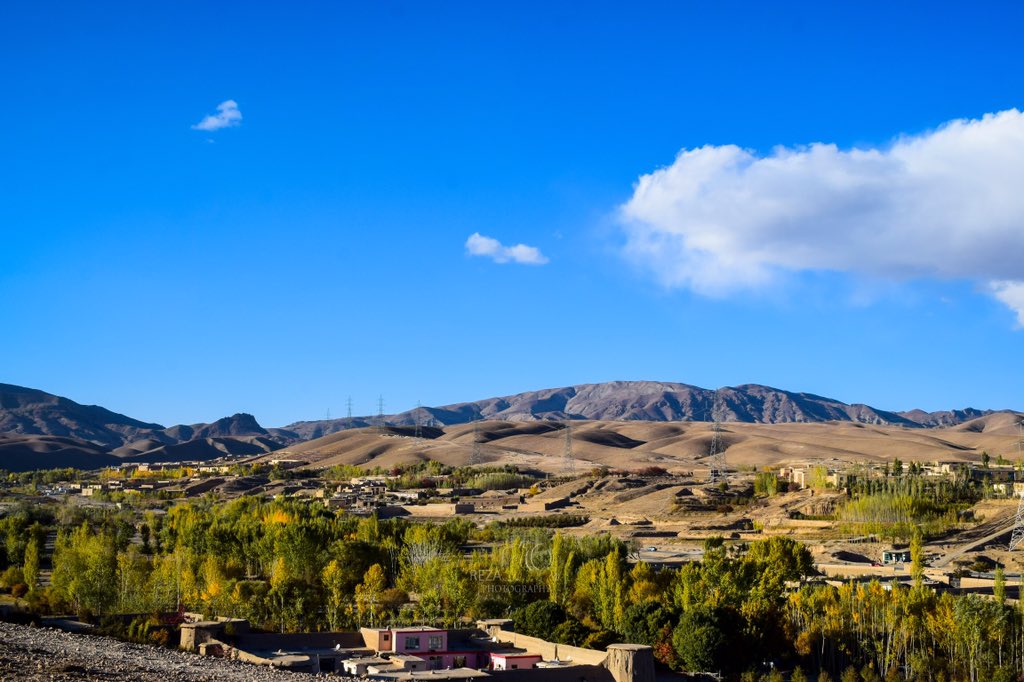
x: 1012, y: 295
x: 479, y: 245
x: 227, y: 116
x: 946, y: 204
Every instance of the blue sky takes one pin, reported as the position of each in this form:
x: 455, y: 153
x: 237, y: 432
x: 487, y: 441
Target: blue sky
x: 317, y: 249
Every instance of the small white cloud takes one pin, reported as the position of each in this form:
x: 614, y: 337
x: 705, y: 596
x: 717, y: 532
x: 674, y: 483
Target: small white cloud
x: 227, y: 116
x: 944, y: 204
x: 1011, y: 294
x: 479, y: 245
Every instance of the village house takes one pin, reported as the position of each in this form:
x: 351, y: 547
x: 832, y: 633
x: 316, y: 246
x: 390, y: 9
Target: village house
x: 491, y: 649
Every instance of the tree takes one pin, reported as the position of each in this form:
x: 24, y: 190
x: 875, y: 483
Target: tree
x: 699, y: 642
x: 31, y: 567
x: 999, y: 587
x: 85, y: 566
x: 917, y: 558
x: 641, y: 623
x: 369, y: 591
x: 540, y: 618
x: 798, y: 675
x: 570, y: 632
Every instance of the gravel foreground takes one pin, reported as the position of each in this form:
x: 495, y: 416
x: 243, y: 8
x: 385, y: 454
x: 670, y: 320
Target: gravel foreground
x: 28, y: 653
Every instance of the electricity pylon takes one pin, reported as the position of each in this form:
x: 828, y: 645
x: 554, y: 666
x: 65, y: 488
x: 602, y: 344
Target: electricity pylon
x: 475, y: 455
x: 716, y: 455
x: 567, y: 456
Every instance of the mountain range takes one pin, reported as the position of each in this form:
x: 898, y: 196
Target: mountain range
x: 653, y: 401
x: 41, y: 430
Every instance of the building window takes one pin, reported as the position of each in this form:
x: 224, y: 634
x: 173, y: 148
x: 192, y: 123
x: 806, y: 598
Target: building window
x: 515, y: 666
x: 434, y: 641
x: 412, y: 643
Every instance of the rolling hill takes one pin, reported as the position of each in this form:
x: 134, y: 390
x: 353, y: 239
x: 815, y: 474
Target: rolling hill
x: 679, y: 446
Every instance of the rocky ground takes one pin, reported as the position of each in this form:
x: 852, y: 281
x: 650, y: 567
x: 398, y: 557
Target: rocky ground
x: 29, y: 653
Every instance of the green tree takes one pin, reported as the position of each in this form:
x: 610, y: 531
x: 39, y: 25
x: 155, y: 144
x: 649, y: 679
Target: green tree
x: 31, y: 567
x: 917, y: 558
x: 540, y: 618
x: 699, y: 642
x: 84, y: 571
x: 368, y: 593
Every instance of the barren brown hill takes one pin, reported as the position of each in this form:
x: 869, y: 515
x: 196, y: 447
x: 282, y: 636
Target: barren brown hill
x: 27, y: 452
x: 653, y: 401
x: 675, y: 446
x: 39, y: 430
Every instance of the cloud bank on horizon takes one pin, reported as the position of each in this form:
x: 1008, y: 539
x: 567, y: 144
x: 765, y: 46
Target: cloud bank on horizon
x: 227, y: 116
x: 946, y: 204
x: 488, y: 247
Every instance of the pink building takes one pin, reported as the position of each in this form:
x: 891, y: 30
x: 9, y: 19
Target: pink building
x: 430, y: 644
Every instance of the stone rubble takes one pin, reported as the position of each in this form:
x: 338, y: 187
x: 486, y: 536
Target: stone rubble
x: 44, y: 654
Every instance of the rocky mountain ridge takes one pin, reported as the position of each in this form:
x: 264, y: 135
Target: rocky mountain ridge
x: 652, y: 401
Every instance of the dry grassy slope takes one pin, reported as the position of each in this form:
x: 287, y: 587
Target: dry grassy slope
x: 677, y: 446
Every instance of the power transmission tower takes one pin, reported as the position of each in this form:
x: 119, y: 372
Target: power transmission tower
x: 1018, y: 526
x: 476, y: 456
x: 716, y: 455
x: 419, y: 429
x: 380, y: 414
x: 567, y: 456
x: 349, y: 417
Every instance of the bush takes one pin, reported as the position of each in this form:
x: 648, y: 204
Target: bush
x: 11, y: 577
